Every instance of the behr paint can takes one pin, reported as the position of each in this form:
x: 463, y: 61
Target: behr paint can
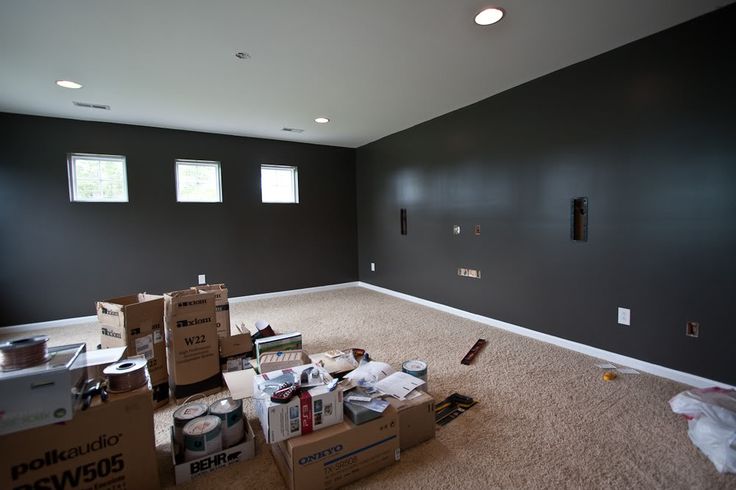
x: 231, y: 413
x: 184, y: 414
x: 416, y: 368
x: 202, y: 437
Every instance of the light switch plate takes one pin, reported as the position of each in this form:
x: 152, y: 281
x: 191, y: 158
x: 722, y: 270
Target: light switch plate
x: 624, y: 316
x: 202, y: 279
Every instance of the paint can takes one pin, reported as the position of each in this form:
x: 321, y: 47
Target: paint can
x: 230, y: 413
x: 416, y: 368
x: 183, y: 415
x: 202, y: 437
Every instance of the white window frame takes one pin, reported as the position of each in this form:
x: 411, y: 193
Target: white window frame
x: 294, y: 182
x: 72, y: 173
x: 203, y: 163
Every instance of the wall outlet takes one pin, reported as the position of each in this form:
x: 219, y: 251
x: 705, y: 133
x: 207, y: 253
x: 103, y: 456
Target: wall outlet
x: 455, y: 229
x: 692, y: 329
x: 202, y: 279
x: 477, y: 230
x: 462, y: 271
x: 473, y: 273
x: 624, y: 316
x: 373, y: 267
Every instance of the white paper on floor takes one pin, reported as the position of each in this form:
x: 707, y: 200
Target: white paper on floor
x: 625, y: 370
x: 606, y: 366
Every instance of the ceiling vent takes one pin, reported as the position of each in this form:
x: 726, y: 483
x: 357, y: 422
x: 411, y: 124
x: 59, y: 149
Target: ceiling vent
x: 292, y: 130
x: 92, y: 106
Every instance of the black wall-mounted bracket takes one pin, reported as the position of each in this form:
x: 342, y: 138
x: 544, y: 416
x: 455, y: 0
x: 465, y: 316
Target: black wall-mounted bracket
x: 579, y: 219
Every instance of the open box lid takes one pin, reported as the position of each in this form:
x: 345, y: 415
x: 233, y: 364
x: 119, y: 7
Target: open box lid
x: 240, y: 383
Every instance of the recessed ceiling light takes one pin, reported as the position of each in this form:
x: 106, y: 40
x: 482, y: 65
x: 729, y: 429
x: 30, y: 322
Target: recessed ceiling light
x: 321, y: 120
x: 489, y: 16
x: 68, y: 84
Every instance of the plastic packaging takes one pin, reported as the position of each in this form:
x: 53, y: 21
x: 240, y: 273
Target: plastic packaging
x: 711, y: 414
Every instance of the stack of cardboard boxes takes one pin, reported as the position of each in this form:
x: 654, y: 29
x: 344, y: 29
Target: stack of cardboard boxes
x: 185, y: 336
x: 315, y: 447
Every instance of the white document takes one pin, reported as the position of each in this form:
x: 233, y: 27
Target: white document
x: 606, y: 366
x: 626, y: 370
x: 399, y: 385
x: 371, y: 372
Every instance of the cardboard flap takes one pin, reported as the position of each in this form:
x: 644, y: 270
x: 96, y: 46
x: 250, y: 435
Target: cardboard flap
x: 99, y: 357
x: 240, y: 383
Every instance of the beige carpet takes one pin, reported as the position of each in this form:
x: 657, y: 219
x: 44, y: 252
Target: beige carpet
x: 546, y: 419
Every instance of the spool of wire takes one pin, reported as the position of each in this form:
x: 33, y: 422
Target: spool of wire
x: 24, y: 353
x: 126, y: 375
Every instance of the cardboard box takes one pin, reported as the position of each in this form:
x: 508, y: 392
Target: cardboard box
x: 43, y: 394
x: 185, y: 471
x: 236, y: 345
x: 222, y: 307
x: 236, y: 351
x: 416, y: 419
x: 280, y: 360
x: 311, y: 410
x: 95, y: 361
x: 192, y: 347
x: 340, y: 454
x: 111, y: 445
x: 275, y: 343
x: 136, y: 322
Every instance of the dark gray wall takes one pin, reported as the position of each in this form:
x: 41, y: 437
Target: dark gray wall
x: 647, y: 132
x: 58, y: 257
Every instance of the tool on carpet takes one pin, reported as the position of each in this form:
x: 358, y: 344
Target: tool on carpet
x: 452, y: 407
x: 473, y: 351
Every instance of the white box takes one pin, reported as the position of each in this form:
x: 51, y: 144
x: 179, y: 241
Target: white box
x: 44, y: 394
x: 185, y: 471
x: 307, y: 412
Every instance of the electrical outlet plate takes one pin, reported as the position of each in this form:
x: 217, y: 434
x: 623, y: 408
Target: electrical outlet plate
x: 692, y: 329
x: 456, y: 229
x: 202, y: 279
x: 624, y: 316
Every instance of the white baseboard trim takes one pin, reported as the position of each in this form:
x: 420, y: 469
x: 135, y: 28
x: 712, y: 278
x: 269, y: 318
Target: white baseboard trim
x: 293, y: 292
x: 647, y: 367
x: 30, y: 327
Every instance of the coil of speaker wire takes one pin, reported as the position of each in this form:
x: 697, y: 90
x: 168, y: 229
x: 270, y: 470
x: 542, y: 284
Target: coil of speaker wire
x: 126, y: 375
x: 24, y: 353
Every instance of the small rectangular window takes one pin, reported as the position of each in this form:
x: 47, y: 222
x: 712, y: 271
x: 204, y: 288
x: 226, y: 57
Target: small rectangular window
x: 198, y: 181
x: 279, y: 184
x: 97, y: 178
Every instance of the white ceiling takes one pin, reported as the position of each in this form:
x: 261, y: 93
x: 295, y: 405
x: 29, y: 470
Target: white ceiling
x: 374, y: 67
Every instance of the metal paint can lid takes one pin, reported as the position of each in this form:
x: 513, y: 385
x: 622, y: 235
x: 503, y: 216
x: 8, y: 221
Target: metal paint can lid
x: 189, y: 411
x: 225, y: 406
x: 416, y: 368
x: 205, y: 425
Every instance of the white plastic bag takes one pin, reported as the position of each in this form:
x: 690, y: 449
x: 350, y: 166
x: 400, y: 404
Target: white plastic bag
x: 711, y: 414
